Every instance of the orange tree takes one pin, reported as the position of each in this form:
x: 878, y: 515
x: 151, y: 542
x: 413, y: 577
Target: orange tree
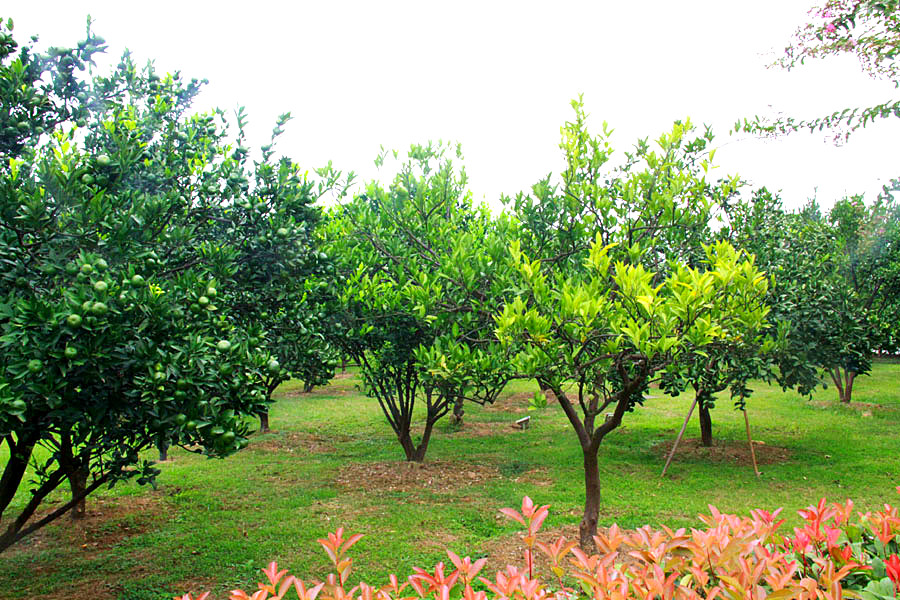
x: 837, y: 278
x: 120, y: 221
x: 869, y: 237
x: 282, y: 292
x: 422, y: 273
x: 860, y: 311
x: 667, y: 208
x: 597, y: 338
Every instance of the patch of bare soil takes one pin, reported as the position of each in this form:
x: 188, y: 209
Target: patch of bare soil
x: 328, y: 390
x: 539, y: 476
x: 289, y: 441
x: 516, y: 403
x: 434, y: 476
x: 724, y: 451
x: 510, y: 550
x: 106, y: 523
x: 864, y: 408
x: 478, y: 429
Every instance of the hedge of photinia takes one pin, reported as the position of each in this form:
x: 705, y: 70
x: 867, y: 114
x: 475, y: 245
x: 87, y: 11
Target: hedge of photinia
x: 837, y: 553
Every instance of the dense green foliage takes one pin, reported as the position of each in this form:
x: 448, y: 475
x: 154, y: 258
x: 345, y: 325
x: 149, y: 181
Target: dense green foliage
x: 130, y: 234
x: 836, y: 282
x: 423, y: 272
x: 281, y: 292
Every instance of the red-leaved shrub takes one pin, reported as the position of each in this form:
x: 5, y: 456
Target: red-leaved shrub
x: 836, y: 554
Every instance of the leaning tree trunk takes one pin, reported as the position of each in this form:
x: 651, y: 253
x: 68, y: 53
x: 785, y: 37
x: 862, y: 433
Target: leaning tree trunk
x: 20, y: 452
x: 264, y: 421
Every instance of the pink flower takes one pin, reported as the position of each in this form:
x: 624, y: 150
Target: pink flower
x: 830, y: 28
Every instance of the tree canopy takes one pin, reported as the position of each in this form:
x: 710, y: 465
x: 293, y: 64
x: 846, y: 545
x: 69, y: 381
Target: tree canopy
x: 422, y: 273
x: 122, y: 237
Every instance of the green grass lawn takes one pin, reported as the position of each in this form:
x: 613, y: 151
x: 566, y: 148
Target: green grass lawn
x: 332, y: 461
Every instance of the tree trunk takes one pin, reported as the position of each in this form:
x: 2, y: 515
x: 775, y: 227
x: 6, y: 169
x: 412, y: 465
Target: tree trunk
x: 264, y: 421
x: 706, y: 438
x: 413, y: 452
x: 458, y: 411
x: 19, y: 454
x: 409, y: 448
x: 588, y: 528
x: 75, y: 472
x: 163, y: 447
x: 843, y: 382
x: 849, y: 376
x: 78, y: 483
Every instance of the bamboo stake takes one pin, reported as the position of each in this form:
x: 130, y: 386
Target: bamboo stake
x: 678, y: 439
x: 750, y: 441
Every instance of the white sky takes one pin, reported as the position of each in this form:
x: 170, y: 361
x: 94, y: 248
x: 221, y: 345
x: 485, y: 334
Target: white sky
x: 498, y: 77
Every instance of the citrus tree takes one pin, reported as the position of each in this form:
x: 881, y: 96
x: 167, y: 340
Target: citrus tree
x: 282, y: 292
x: 836, y: 280
x: 422, y: 273
x: 623, y: 292
x: 598, y: 338
x: 116, y: 330
x: 726, y: 364
x: 636, y: 295
x: 867, y: 282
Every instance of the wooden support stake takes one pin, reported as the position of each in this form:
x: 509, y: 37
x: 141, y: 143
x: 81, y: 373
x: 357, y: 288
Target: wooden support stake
x: 678, y: 439
x: 750, y: 441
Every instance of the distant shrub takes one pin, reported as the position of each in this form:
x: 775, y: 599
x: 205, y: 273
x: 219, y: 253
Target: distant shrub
x: 836, y: 554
